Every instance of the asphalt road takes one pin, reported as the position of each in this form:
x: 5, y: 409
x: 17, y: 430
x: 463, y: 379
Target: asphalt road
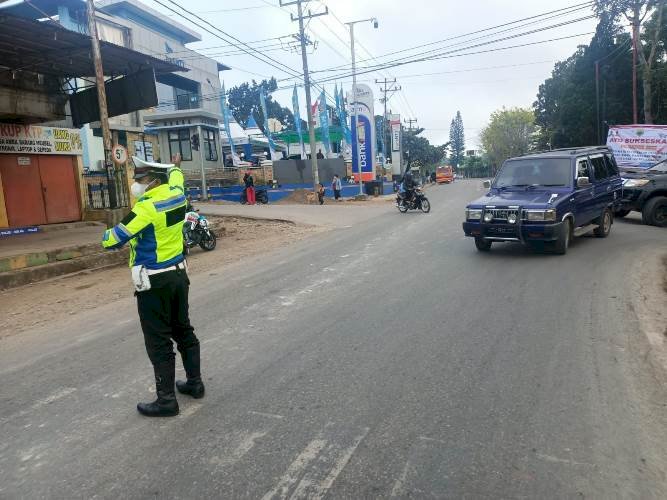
x: 388, y: 359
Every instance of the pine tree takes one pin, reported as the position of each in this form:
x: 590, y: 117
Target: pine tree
x: 457, y: 140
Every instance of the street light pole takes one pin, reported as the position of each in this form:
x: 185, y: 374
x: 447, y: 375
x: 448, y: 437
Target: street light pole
x: 355, y: 115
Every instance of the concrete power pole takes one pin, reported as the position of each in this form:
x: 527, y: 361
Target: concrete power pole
x: 410, y: 121
x: 102, y: 100
x: 388, y: 86
x: 306, y: 82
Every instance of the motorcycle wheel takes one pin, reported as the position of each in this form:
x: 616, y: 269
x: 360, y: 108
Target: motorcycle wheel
x: 208, y: 242
x: 425, y: 206
x: 402, y: 207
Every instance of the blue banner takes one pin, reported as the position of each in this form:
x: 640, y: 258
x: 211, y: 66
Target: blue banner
x: 297, y: 121
x: 343, y: 118
x: 365, y: 154
x: 225, y: 117
x: 267, y: 131
x: 324, y: 122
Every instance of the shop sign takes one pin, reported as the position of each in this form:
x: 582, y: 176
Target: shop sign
x: 34, y: 139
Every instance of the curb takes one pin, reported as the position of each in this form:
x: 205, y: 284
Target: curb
x: 25, y: 276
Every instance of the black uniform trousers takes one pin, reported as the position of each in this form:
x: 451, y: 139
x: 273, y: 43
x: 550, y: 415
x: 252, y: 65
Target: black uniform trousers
x: 163, y: 313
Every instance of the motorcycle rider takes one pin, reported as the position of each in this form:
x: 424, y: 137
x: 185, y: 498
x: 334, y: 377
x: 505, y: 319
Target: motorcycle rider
x: 409, y: 185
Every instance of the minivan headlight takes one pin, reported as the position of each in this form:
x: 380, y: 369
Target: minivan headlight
x: 635, y: 183
x: 541, y: 215
x: 473, y: 213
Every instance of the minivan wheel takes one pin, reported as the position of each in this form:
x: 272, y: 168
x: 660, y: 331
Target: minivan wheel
x: 561, y: 245
x: 604, y: 228
x: 654, y: 212
x: 482, y: 244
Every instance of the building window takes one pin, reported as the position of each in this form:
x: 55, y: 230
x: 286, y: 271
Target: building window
x: 210, y: 149
x: 179, y: 142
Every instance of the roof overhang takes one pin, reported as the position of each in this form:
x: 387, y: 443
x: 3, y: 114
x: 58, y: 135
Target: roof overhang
x: 179, y: 115
x: 49, y: 49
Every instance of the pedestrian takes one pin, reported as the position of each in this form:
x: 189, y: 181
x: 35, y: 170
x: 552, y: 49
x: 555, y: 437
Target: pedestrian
x: 320, y: 156
x: 320, y: 193
x: 336, y: 187
x: 154, y: 231
x: 249, y: 183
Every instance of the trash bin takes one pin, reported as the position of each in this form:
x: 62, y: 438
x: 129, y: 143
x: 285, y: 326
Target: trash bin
x: 374, y: 188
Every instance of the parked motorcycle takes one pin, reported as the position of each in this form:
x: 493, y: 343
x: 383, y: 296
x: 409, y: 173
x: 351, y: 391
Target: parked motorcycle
x: 261, y: 196
x: 197, y: 232
x: 417, y: 202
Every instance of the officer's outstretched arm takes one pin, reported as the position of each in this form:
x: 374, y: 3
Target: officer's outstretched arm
x: 133, y: 224
x: 176, y: 179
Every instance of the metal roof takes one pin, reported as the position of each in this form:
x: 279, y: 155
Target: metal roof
x: 48, y: 48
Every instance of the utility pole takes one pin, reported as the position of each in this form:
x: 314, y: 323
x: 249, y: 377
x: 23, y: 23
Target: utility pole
x: 597, y: 99
x: 410, y: 121
x: 306, y: 81
x: 635, y: 41
x: 102, y: 100
x: 389, y: 86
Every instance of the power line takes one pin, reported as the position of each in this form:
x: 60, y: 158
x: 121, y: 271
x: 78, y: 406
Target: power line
x: 338, y: 77
x: 248, y: 49
x: 561, y: 12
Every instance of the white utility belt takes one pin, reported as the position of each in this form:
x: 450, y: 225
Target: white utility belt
x: 183, y: 266
x: 141, y: 275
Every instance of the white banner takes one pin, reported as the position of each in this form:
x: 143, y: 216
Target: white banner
x: 32, y: 139
x: 638, y: 146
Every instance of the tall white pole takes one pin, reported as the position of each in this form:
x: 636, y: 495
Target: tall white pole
x: 355, y: 145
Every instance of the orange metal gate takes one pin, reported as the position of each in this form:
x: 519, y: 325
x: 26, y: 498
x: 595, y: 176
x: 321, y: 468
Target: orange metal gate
x: 39, y: 189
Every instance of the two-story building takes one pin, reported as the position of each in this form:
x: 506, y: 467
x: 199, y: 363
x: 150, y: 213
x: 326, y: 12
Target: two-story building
x: 187, y: 117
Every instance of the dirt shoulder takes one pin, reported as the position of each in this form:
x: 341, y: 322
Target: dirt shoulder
x: 57, y: 300
x: 650, y: 304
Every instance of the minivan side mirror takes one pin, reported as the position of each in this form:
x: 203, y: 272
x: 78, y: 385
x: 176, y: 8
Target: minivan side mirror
x: 583, y: 182
x: 487, y: 184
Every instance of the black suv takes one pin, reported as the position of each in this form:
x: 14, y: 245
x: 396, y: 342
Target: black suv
x: 646, y: 192
x: 546, y: 199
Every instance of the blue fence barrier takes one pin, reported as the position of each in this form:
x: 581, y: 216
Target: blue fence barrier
x: 233, y: 193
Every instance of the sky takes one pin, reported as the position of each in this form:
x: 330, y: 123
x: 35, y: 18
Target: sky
x: 433, y: 90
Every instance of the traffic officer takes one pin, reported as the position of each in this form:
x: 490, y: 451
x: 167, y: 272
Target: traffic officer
x: 154, y: 231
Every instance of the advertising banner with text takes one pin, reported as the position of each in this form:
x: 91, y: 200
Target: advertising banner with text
x: 638, y: 146
x: 33, y: 139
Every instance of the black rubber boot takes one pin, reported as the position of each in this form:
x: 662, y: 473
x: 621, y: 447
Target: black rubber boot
x: 165, y: 405
x: 191, y: 362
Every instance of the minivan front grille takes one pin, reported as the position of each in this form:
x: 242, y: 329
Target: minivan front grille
x: 502, y: 214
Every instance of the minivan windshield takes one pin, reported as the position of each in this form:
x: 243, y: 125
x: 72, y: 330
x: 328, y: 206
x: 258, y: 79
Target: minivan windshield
x: 659, y: 167
x: 527, y: 172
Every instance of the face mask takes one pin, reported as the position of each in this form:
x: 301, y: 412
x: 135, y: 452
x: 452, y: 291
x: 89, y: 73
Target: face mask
x: 138, y: 189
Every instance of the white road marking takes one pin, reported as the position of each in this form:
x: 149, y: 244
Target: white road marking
x: 551, y: 458
x: 295, y: 469
x: 246, y: 444
x: 190, y: 410
x: 319, y: 489
x: 53, y: 397
x: 270, y: 415
x: 399, y: 485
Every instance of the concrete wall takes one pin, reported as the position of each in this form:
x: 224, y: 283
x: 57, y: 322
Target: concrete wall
x: 299, y: 171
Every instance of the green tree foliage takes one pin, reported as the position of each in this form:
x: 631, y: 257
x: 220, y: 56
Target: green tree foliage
x: 635, y: 12
x: 510, y: 132
x: 457, y: 140
x: 565, y: 109
x: 476, y: 166
x: 244, y: 102
x: 421, y: 150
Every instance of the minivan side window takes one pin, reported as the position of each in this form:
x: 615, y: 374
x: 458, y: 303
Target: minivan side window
x: 599, y: 168
x: 612, y: 168
x: 583, y: 168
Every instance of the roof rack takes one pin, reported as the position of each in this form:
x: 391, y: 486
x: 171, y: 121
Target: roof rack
x: 573, y: 151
